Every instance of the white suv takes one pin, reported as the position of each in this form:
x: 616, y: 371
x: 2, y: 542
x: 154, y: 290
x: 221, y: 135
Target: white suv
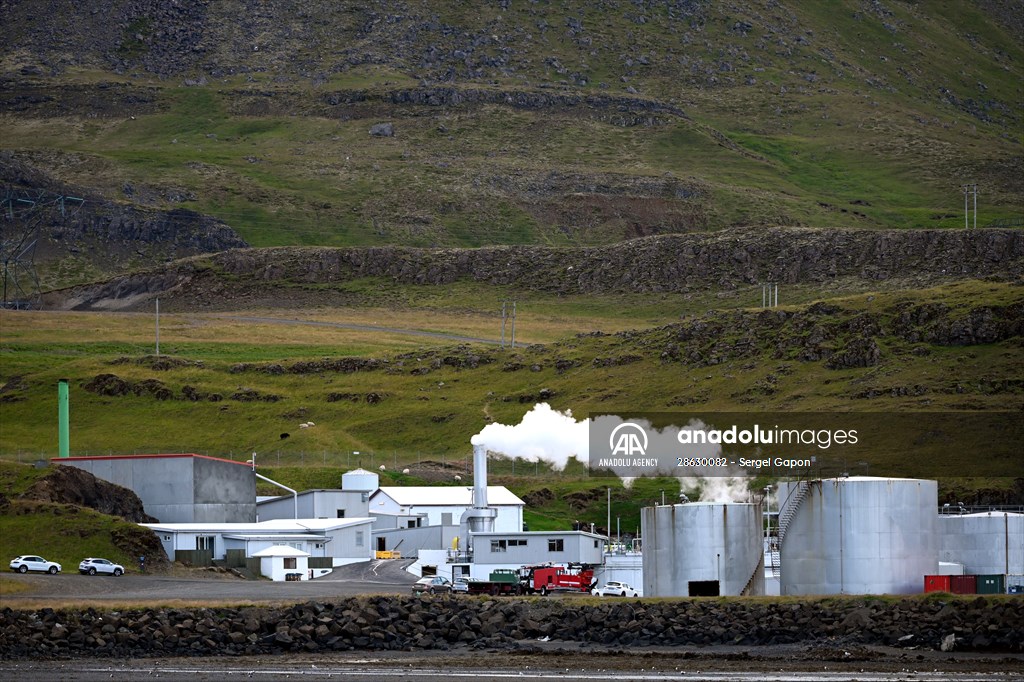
x: 93, y: 566
x: 29, y: 562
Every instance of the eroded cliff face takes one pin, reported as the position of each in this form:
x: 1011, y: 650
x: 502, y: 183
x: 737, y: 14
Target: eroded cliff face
x: 665, y: 264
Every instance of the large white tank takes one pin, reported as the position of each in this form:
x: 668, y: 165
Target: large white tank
x: 702, y: 549
x: 858, y: 535
x: 987, y: 543
x: 360, y: 480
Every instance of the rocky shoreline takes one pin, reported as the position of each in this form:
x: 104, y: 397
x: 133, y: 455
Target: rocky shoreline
x: 389, y: 623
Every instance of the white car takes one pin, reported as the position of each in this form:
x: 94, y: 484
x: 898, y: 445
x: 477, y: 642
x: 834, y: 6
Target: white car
x: 31, y: 562
x: 92, y: 566
x: 614, y: 588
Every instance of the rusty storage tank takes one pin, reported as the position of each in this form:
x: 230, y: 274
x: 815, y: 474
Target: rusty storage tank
x: 857, y: 535
x: 703, y: 549
x: 985, y: 543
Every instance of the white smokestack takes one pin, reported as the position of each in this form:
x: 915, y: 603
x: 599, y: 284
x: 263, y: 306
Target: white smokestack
x: 479, y: 475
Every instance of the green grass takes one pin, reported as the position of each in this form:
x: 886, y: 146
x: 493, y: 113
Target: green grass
x: 893, y: 112
x: 430, y: 411
x: 61, y: 532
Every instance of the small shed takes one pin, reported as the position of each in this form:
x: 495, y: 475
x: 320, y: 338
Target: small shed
x: 281, y: 562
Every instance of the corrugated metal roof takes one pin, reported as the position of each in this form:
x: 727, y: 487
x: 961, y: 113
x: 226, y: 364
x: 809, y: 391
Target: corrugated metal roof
x: 284, y: 525
x: 446, y: 496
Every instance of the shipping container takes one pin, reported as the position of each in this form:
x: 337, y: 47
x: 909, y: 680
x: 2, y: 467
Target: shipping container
x: 936, y: 583
x: 963, y: 584
x: 991, y: 584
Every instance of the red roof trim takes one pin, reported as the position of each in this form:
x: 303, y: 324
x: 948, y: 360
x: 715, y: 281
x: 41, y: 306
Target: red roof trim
x: 58, y: 460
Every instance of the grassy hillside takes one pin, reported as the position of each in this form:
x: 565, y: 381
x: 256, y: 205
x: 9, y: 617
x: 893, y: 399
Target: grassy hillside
x: 226, y: 387
x: 520, y: 122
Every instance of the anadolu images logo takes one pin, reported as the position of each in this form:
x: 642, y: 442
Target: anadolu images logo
x: 628, y: 439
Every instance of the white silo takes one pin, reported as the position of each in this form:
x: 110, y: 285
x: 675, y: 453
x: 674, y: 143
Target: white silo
x: 985, y: 544
x: 857, y: 535
x: 703, y: 549
x: 360, y: 480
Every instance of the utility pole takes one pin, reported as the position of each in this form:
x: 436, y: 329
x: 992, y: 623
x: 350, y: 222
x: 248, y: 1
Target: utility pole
x: 970, y: 190
x: 158, y: 326
x: 503, y: 324
x: 505, y: 316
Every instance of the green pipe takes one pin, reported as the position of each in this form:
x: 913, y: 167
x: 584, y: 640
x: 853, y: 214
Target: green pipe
x: 63, y: 443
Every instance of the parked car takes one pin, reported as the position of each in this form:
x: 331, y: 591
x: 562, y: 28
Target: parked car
x: 432, y: 585
x: 462, y: 584
x: 613, y: 588
x: 92, y: 566
x: 31, y: 562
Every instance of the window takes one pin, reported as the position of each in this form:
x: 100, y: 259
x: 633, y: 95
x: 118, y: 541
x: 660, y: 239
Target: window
x: 359, y: 538
x: 503, y: 545
x: 556, y: 545
x: 204, y: 542
x: 365, y: 497
x: 289, y: 562
x: 341, y: 514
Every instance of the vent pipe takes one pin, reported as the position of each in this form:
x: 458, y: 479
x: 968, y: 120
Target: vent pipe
x: 63, y: 429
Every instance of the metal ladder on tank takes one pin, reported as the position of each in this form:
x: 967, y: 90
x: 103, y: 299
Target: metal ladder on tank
x: 787, y: 511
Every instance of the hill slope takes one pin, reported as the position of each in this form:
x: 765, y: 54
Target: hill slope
x: 433, y: 124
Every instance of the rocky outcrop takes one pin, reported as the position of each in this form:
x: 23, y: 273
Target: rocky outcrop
x: 71, y: 485
x: 667, y: 263
x: 393, y: 623
x: 78, y: 223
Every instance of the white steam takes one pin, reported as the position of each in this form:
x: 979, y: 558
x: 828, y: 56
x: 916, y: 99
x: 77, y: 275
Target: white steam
x: 547, y: 435
x: 544, y: 434
x: 718, y: 489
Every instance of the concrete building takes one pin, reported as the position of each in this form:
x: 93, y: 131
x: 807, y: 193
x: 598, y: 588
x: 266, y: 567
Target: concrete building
x: 335, y: 542
x: 445, y: 505
x: 180, y: 488
x: 513, y: 550
x: 315, y: 504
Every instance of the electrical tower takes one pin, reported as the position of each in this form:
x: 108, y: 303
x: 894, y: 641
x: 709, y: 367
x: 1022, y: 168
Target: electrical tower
x: 22, y: 214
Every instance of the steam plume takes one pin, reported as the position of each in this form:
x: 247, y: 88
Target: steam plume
x: 544, y: 434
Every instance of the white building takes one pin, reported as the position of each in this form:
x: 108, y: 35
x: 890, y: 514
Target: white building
x: 444, y: 505
x: 328, y: 542
x: 278, y: 562
x: 315, y: 504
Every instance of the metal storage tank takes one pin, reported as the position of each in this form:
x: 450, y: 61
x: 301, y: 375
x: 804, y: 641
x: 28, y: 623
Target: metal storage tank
x: 985, y: 543
x: 702, y: 549
x: 857, y: 535
x: 360, y: 480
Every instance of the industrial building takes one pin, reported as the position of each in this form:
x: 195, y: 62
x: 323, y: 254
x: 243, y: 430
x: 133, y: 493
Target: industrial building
x: 180, y: 488
x: 327, y: 543
x: 314, y: 504
x: 445, y: 505
x: 848, y: 535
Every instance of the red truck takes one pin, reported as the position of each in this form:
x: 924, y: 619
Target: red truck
x: 547, y: 579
